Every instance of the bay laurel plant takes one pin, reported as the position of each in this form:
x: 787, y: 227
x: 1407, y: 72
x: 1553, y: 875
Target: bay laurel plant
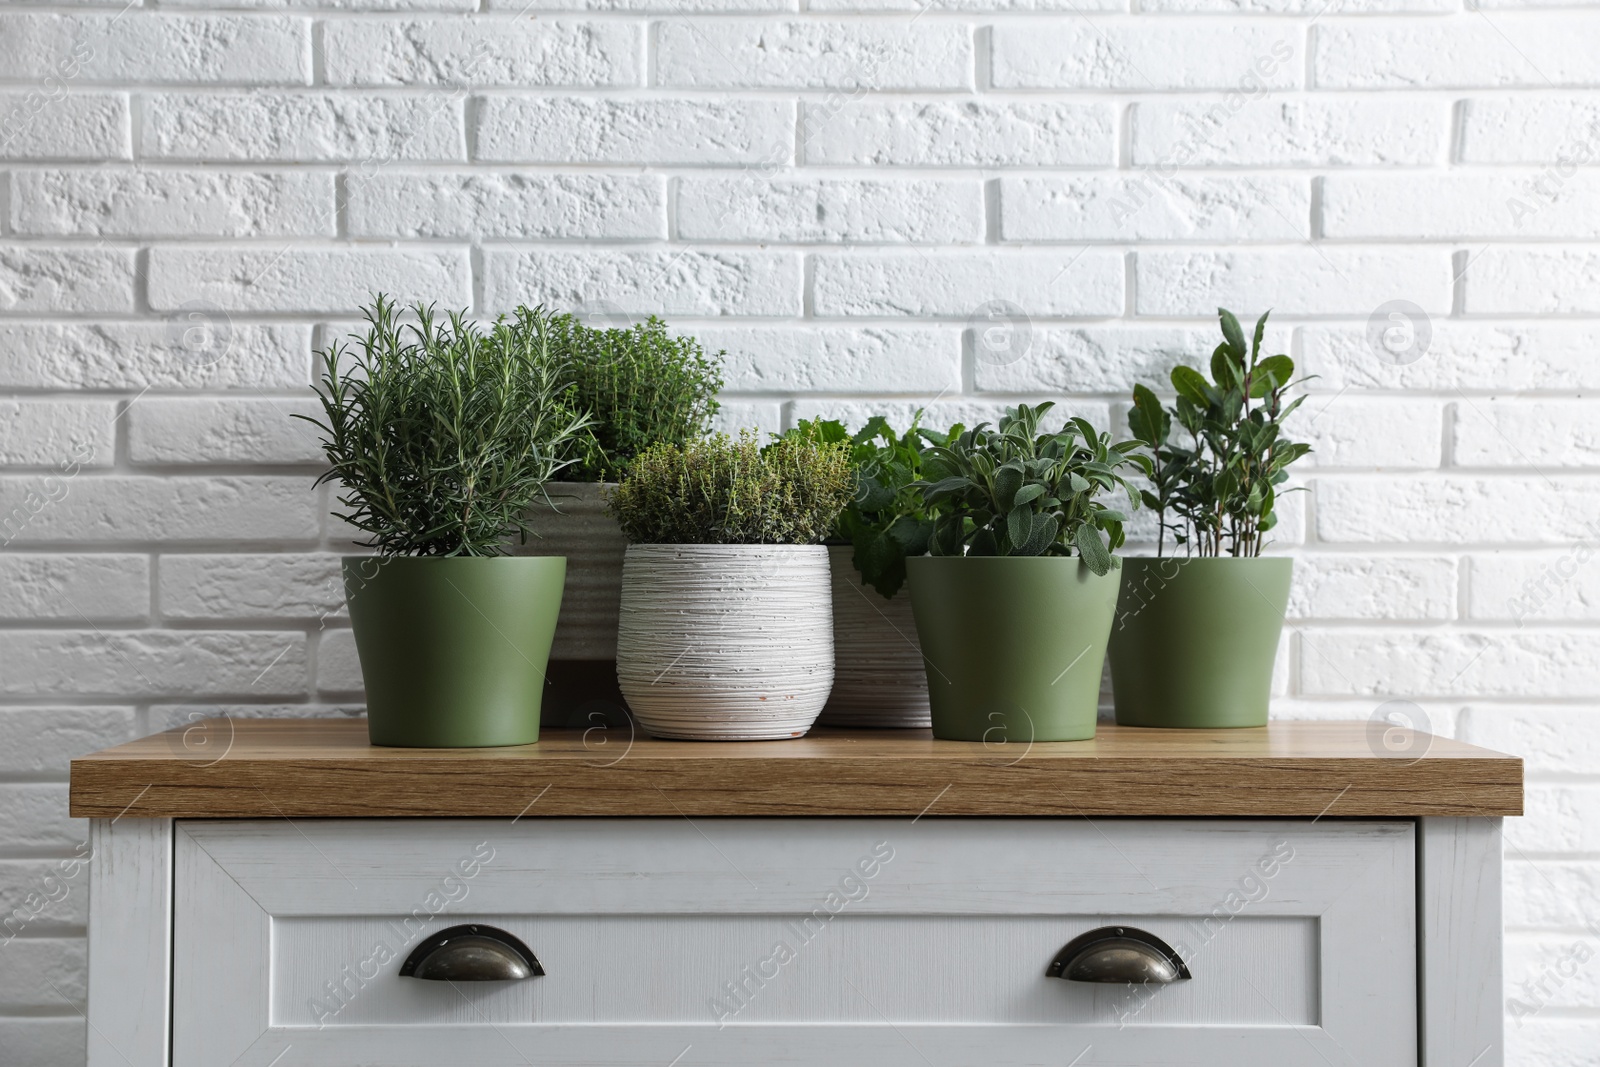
x: 441, y: 435
x: 1215, y: 487
x: 887, y: 518
x: 724, y: 490
x: 641, y: 385
x: 1016, y: 490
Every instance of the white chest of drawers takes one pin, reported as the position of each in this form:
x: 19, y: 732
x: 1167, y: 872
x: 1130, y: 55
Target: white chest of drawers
x: 258, y: 910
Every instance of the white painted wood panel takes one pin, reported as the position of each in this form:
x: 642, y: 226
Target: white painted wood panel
x: 930, y: 945
x: 130, y: 915
x: 1461, y: 937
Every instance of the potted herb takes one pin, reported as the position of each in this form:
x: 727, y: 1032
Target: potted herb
x: 726, y: 622
x: 1015, y: 600
x: 440, y: 438
x: 642, y: 386
x: 878, y: 677
x: 1196, y: 636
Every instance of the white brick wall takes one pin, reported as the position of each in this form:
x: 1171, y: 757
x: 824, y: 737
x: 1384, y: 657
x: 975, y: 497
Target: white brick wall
x: 195, y: 192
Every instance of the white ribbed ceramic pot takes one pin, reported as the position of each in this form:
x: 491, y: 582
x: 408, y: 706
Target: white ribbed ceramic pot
x: 878, y: 676
x: 583, y: 532
x: 725, y: 642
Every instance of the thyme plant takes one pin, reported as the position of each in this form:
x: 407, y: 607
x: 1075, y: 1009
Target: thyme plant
x: 442, y: 435
x: 1222, y: 481
x: 642, y: 386
x: 731, y: 491
x: 1017, y: 491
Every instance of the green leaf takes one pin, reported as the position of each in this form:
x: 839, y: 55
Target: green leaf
x: 1092, y: 549
x: 1232, y: 331
x: 1272, y: 373
x: 1028, y: 494
x: 1191, y: 385
x: 1019, y: 524
x: 1043, y: 536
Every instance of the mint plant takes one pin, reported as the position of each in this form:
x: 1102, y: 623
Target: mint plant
x: 887, y: 519
x: 1017, y: 491
x: 1222, y: 481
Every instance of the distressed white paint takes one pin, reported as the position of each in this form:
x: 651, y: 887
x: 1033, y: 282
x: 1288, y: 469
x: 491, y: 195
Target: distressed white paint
x: 130, y: 946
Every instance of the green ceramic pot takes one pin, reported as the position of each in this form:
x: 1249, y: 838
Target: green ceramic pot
x: 1195, y: 640
x: 454, y: 650
x: 1013, y: 646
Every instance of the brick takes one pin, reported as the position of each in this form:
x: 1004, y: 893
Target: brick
x: 1361, y: 587
x: 1550, y: 739
x: 1143, y: 54
x: 1531, y: 129
x: 136, y: 356
x: 566, y: 206
x: 1548, y: 586
x: 1320, y: 281
x: 40, y: 897
x: 939, y: 413
x: 110, y: 588
x: 89, y: 509
x: 1526, y: 433
x: 945, y: 133
x: 670, y: 7
x: 35, y: 278
x: 485, y: 51
x: 1541, y: 52
x: 338, y: 666
x: 980, y: 6
x: 146, y: 203
x: 806, y: 211
x: 664, y: 282
x: 762, y: 416
x: 307, y: 280
x: 1534, y: 280
x: 1556, y: 818
x: 1436, y: 663
x: 1355, y: 432
x: 1469, y: 356
x: 872, y: 360
x: 662, y: 131
x: 39, y: 972
x: 332, y: 5
x: 1299, y: 7
x: 1549, y: 892
x: 1045, y: 283
x: 1102, y: 358
x: 189, y: 717
x: 1455, y: 509
x: 770, y: 54
x: 43, y: 740
x: 303, y: 127
x: 1149, y: 207
x: 1551, y: 971
x: 44, y: 1042
x: 46, y: 433
x: 245, y: 587
x: 215, y: 430
x: 1549, y: 1041
x: 34, y: 814
x: 227, y: 49
x: 150, y: 663
x: 1458, y: 206
x: 35, y: 124
x: 1310, y: 131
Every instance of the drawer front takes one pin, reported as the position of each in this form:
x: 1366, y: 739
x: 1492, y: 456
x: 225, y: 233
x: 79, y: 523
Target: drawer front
x: 735, y: 942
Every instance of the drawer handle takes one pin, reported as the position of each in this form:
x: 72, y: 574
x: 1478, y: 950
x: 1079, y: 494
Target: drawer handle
x: 471, y: 953
x: 1120, y: 954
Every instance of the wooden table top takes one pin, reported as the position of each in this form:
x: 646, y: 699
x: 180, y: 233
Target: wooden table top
x: 266, y: 768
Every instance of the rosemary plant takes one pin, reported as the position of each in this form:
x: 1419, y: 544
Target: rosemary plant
x: 442, y: 435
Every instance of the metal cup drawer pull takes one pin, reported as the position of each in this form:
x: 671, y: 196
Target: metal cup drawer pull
x: 1118, y: 954
x: 471, y: 953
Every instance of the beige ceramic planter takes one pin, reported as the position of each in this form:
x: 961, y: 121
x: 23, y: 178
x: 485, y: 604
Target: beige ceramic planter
x: 588, y: 537
x: 878, y: 674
